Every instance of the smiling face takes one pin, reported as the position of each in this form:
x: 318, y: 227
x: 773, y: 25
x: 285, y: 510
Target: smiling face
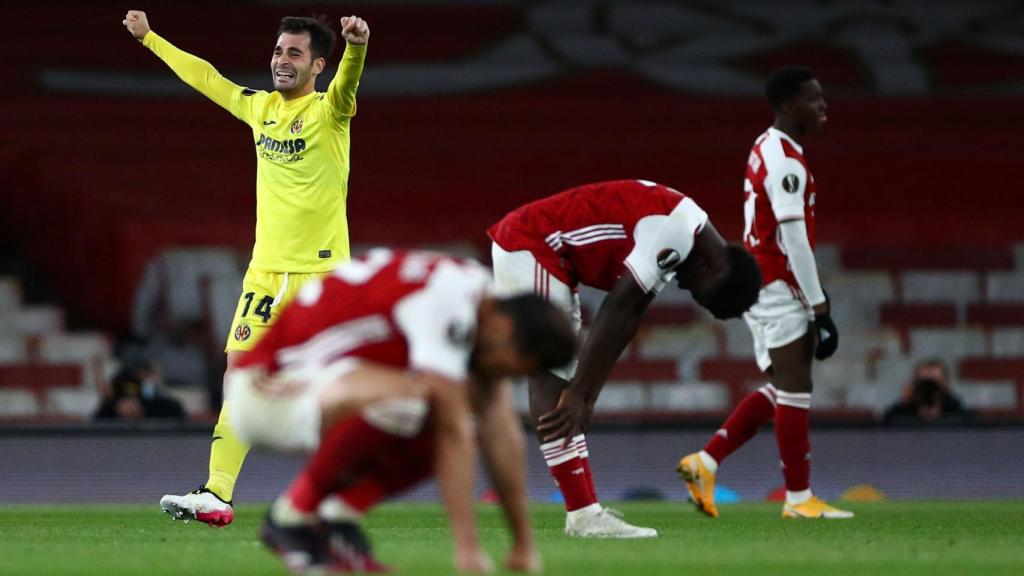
x: 293, y: 66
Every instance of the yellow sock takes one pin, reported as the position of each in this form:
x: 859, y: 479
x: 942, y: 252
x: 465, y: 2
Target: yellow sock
x: 227, y: 453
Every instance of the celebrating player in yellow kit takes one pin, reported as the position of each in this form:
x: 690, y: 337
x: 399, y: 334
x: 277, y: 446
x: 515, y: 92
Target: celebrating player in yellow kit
x: 301, y: 138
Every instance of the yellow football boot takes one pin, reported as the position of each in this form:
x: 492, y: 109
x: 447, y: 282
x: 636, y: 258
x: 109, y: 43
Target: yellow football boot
x: 814, y: 508
x: 700, y: 482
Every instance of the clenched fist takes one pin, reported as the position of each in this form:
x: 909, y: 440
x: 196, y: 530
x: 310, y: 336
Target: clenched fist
x: 136, y: 23
x: 354, y: 30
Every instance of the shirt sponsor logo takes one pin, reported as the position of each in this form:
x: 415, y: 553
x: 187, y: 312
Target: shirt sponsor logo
x: 280, y: 150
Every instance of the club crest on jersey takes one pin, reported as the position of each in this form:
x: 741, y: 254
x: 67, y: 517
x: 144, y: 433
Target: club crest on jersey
x: 243, y: 332
x: 668, y: 259
x: 791, y: 183
x: 297, y: 127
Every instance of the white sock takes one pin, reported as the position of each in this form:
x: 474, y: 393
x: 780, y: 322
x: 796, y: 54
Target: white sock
x: 334, y: 509
x: 285, y: 513
x: 708, y: 461
x: 586, y: 510
x: 798, y: 497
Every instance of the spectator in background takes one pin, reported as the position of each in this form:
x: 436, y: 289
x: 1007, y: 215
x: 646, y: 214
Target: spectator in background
x: 928, y: 397
x: 135, y: 393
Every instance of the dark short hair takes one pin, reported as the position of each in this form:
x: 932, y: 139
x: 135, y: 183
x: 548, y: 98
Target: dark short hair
x: 784, y: 83
x: 738, y: 292
x: 934, y: 362
x: 321, y: 38
x: 543, y: 332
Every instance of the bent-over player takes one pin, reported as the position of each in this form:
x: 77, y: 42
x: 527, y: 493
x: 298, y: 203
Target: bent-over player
x: 630, y: 238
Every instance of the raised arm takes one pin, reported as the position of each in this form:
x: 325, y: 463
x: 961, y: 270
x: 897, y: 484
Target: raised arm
x: 341, y: 94
x: 503, y: 446
x: 614, y: 326
x: 195, y: 72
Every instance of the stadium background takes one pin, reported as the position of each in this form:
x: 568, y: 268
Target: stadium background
x: 127, y: 203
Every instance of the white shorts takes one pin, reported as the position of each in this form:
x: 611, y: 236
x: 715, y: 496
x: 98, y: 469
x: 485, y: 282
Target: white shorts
x: 283, y: 412
x: 519, y: 273
x: 778, y: 318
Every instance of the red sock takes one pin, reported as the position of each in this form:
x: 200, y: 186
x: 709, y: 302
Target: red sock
x: 585, y: 462
x: 584, y: 454
x: 792, y: 431
x: 744, y: 422
x: 567, y: 468
x: 363, y: 495
x: 343, y: 450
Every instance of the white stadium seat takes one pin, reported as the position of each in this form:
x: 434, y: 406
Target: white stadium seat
x: 857, y: 296
x: 692, y: 396
x: 73, y: 402
x: 948, y: 344
x: 834, y: 376
x: 687, y: 345
x: 17, y: 402
x: 738, y: 341
x: 13, y: 349
x: 74, y: 348
x: 1008, y: 342
x: 958, y: 287
x: 32, y: 320
x: 623, y: 397
x: 988, y: 395
x: 1005, y: 287
x: 892, y: 374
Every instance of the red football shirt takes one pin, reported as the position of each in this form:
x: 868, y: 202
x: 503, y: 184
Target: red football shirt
x: 413, y: 309
x: 592, y: 234
x: 778, y: 187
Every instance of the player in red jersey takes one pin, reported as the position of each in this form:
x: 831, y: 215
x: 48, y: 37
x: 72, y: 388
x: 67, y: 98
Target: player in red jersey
x: 630, y: 238
x: 790, y: 322
x: 379, y: 370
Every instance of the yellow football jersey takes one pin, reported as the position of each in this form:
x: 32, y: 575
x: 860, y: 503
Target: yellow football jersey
x: 302, y: 159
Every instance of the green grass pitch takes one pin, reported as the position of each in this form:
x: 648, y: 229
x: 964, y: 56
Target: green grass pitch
x: 903, y: 538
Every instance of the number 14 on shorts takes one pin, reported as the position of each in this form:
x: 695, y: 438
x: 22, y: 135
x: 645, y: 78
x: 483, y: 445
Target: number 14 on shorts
x: 262, y: 306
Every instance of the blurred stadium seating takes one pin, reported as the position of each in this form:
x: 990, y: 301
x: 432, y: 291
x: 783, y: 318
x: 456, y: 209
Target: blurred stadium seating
x: 114, y: 170
x: 45, y: 371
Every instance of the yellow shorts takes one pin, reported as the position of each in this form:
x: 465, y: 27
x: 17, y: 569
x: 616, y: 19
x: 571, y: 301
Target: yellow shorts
x: 264, y: 295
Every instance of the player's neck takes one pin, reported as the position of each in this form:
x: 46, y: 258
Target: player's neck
x: 791, y: 129
x: 297, y: 93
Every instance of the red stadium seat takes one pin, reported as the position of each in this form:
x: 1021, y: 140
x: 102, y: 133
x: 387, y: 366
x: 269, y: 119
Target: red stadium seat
x: 991, y: 315
x: 645, y: 371
x: 737, y: 374
x: 904, y: 317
